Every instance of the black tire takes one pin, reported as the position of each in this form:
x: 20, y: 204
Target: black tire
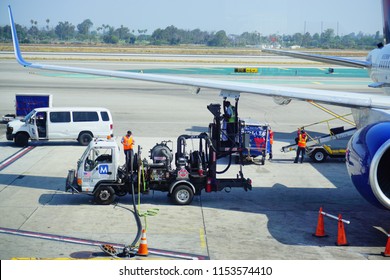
x: 182, y: 195
x: 105, y: 195
x: 21, y: 140
x: 318, y: 155
x: 121, y: 192
x: 85, y: 138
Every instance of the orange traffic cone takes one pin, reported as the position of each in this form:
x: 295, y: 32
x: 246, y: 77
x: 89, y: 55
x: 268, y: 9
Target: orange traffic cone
x: 341, y: 237
x: 320, y: 231
x: 143, y: 246
x: 386, y: 253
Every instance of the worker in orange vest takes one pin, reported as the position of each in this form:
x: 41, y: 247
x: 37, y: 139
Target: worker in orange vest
x: 302, y: 139
x: 128, y: 144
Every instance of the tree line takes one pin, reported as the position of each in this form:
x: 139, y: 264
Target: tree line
x: 65, y: 32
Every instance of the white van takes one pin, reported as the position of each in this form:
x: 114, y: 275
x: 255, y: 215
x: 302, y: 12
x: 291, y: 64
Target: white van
x: 49, y: 123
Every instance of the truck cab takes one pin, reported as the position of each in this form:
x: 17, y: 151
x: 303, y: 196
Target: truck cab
x: 98, y: 164
x: 20, y: 130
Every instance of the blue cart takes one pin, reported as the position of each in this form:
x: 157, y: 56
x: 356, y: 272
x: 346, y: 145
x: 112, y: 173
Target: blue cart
x: 256, y: 140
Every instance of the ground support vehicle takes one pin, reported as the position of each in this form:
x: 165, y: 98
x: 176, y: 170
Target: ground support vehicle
x: 61, y: 123
x: 319, y: 153
x: 26, y: 102
x: 335, y: 134
x: 100, y: 174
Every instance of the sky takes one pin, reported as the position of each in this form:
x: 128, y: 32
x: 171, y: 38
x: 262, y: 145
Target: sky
x: 234, y: 16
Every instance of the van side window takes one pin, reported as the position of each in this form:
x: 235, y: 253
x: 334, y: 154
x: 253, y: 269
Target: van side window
x: 105, y: 116
x: 85, y: 116
x: 59, y: 117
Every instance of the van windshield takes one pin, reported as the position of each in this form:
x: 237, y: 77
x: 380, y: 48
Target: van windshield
x: 28, y: 116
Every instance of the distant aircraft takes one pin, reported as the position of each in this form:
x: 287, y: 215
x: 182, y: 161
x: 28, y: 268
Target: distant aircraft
x: 368, y: 153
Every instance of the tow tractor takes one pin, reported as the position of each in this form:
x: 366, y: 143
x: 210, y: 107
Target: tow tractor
x: 100, y: 174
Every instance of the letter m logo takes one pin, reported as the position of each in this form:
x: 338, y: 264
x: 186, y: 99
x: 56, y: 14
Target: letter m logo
x: 103, y: 169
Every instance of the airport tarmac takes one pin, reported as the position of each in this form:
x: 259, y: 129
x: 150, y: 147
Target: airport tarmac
x: 274, y: 221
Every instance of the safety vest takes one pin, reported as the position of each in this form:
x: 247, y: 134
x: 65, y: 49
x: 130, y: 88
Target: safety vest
x: 302, y: 140
x: 128, y: 143
x: 232, y: 112
x: 271, y: 137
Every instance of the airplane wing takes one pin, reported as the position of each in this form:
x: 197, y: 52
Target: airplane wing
x: 322, y: 58
x: 280, y: 94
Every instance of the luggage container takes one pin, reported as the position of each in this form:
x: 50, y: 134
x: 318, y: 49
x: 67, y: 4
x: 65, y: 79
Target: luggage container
x: 256, y: 140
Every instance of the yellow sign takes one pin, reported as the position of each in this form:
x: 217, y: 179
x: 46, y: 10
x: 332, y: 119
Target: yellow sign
x: 246, y: 70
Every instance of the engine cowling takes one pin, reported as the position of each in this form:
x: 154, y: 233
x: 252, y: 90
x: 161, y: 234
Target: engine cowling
x: 280, y: 100
x: 368, y: 163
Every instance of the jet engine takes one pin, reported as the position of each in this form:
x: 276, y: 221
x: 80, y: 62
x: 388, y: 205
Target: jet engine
x: 368, y: 163
x: 280, y: 100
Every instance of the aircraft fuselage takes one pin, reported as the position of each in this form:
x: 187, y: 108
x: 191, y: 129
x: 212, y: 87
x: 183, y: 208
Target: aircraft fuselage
x: 380, y: 67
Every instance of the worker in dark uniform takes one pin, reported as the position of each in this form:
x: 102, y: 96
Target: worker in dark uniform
x: 229, y: 121
x: 302, y: 139
x: 128, y: 144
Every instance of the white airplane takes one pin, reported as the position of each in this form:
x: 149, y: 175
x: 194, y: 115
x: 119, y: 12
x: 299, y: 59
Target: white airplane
x: 368, y: 154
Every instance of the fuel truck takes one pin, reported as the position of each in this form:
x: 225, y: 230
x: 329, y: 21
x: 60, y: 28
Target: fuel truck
x: 182, y: 174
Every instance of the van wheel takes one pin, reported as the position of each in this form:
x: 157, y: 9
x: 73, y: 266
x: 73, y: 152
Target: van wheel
x: 21, y: 140
x: 85, y: 138
x: 182, y: 195
x: 104, y: 195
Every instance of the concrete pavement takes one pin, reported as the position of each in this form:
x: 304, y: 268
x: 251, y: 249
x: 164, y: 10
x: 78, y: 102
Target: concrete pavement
x: 274, y: 221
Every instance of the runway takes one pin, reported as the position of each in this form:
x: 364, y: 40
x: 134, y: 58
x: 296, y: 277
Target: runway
x: 274, y: 221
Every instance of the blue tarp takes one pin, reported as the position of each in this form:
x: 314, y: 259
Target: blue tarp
x: 26, y: 103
